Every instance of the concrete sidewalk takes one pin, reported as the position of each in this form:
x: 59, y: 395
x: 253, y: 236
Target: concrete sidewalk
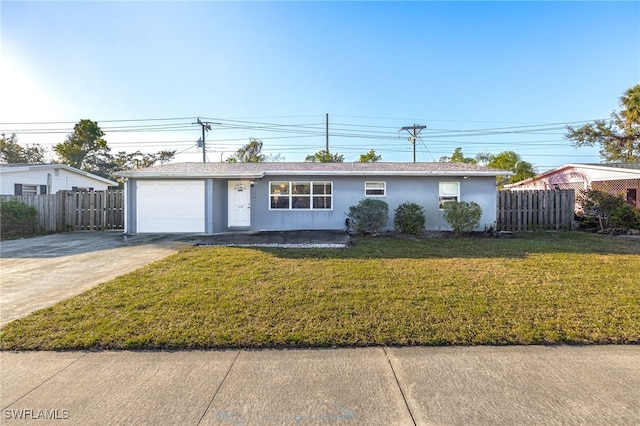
x: 511, y: 385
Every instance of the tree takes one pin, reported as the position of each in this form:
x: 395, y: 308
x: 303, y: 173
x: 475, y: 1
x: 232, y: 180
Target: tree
x: 506, y: 160
x: 457, y: 157
x: 619, y: 137
x: 509, y: 160
x: 11, y: 152
x: 136, y: 160
x: 249, y: 153
x: 324, y: 156
x: 85, y: 148
x: 370, y: 157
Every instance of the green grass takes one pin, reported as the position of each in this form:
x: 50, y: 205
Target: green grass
x: 541, y: 288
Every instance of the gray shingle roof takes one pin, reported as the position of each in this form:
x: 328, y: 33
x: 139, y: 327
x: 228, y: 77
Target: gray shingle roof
x: 256, y: 170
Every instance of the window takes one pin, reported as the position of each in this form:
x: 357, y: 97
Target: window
x: 375, y: 189
x: 22, y: 189
x: 448, y: 191
x: 300, y: 195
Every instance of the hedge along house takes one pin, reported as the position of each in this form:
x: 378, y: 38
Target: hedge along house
x: 220, y: 197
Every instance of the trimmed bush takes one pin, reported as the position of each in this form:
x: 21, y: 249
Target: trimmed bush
x: 409, y: 219
x: 17, y: 219
x: 369, y: 216
x: 462, y: 216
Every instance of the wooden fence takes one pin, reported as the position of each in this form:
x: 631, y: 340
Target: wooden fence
x: 535, y: 210
x: 76, y: 210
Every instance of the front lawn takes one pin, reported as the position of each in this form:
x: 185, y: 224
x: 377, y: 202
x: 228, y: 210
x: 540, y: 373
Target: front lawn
x: 533, y: 289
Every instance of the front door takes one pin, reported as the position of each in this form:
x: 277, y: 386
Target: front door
x: 239, y: 203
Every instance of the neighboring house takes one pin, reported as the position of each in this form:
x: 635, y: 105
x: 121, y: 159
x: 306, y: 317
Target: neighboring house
x: 36, y: 179
x: 621, y: 179
x: 217, y: 197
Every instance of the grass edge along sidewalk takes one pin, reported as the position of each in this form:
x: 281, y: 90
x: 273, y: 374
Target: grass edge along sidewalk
x: 539, y: 288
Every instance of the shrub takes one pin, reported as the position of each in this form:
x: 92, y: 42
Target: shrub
x: 17, y: 219
x: 610, y: 210
x: 462, y: 216
x: 409, y: 219
x: 369, y: 216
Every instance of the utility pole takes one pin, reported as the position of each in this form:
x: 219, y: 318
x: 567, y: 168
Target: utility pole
x: 327, y: 133
x: 205, y: 125
x: 413, y: 131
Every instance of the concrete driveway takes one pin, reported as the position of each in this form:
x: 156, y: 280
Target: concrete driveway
x: 39, y: 272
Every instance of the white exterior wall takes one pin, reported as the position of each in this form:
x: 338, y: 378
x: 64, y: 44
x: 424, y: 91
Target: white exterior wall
x: 60, y: 179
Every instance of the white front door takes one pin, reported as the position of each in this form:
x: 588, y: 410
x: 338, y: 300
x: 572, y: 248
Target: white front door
x: 239, y: 203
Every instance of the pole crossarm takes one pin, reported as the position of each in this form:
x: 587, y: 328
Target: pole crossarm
x: 414, y: 131
x: 206, y: 125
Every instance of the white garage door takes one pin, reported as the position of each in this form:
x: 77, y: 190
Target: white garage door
x: 170, y: 206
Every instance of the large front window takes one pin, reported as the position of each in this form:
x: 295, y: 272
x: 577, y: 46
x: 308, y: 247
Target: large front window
x: 301, y: 195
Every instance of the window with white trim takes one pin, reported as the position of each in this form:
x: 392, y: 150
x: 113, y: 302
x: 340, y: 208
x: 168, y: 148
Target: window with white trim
x: 303, y: 195
x: 448, y: 192
x: 375, y: 189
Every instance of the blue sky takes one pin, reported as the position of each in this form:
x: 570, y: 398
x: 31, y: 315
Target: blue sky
x: 484, y: 76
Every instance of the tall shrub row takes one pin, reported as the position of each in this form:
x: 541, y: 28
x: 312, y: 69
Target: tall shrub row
x: 370, y: 215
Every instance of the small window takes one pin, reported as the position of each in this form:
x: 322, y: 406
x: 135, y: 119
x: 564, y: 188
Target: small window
x: 29, y: 189
x: 375, y: 189
x: 448, y: 192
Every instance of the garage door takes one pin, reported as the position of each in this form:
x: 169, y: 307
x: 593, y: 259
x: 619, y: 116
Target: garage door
x: 170, y: 206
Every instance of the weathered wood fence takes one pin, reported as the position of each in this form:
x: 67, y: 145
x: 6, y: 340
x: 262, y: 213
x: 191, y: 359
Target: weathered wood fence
x: 77, y: 210
x: 535, y: 210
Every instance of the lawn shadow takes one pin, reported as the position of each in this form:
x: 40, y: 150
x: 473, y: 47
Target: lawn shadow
x: 519, y: 246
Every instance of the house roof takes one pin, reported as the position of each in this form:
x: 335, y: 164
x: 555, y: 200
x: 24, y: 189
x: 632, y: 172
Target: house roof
x: 20, y: 167
x: 632, y: 169
x: 259, y: 170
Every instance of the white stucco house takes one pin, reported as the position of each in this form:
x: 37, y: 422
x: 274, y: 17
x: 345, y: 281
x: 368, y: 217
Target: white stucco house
x: 217, y: 197
x: 622, y: 179
x: 38, y: 179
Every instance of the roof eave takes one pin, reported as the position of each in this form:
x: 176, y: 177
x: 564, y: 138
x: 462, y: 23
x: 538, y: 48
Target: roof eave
x: 199, y: 175
x: 29, y: 167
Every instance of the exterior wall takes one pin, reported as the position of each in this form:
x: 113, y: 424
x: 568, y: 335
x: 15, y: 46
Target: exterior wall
x: 55, y: 179
x: 219, y: 209
x: 130, y: 206
x: 347, y: 191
